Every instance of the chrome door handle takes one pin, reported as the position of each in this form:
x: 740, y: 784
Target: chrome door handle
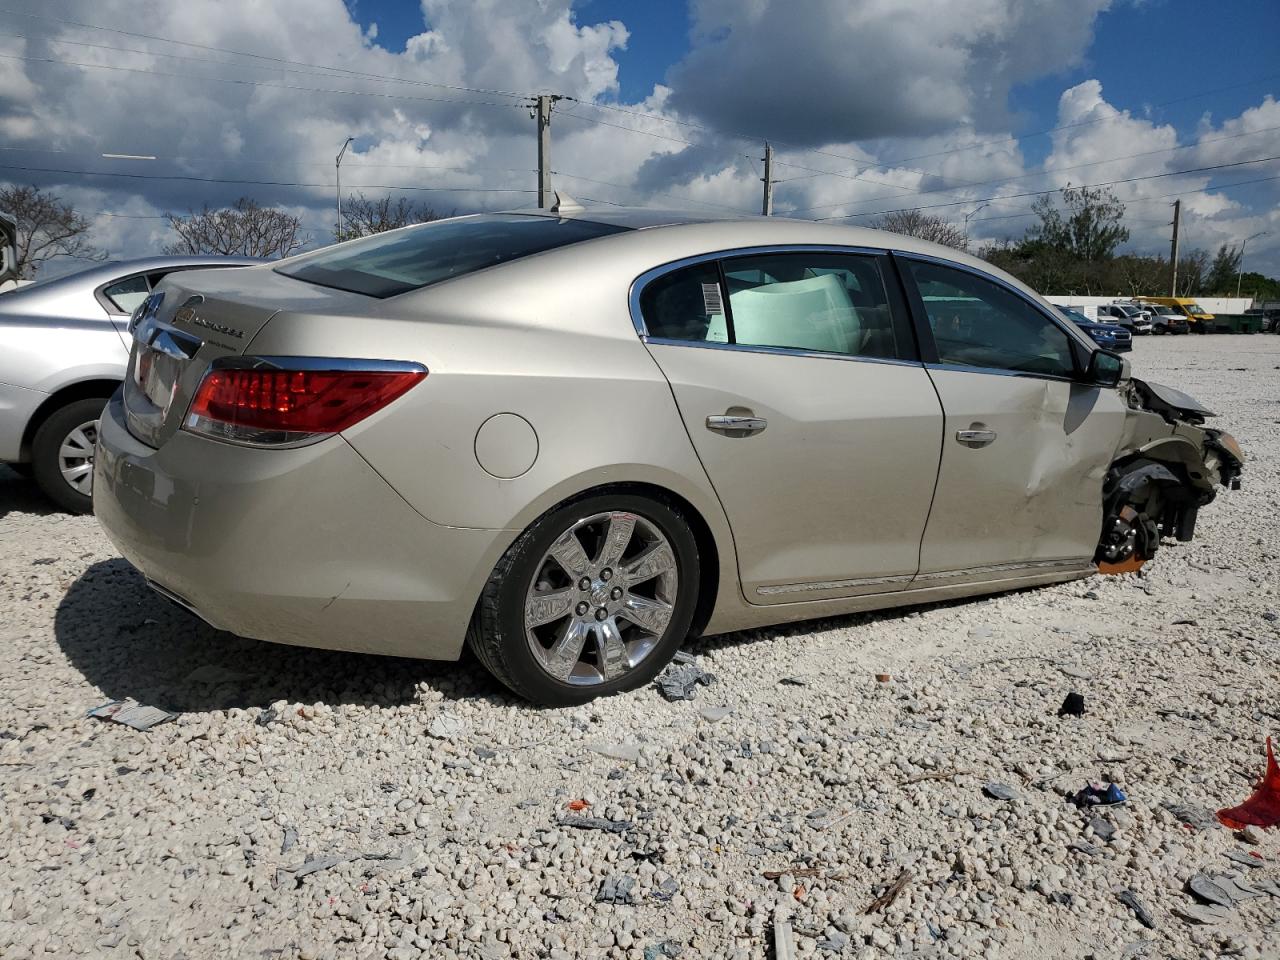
x: 739, y: 426
x: 977, y: 438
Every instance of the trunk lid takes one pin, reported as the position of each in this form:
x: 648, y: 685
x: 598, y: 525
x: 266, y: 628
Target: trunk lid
x: 205, y: 315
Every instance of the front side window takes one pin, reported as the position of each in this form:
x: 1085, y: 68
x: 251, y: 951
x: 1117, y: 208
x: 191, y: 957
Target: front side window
x: 127, y: 294
x: 979, y: 323
x: 387, y: 264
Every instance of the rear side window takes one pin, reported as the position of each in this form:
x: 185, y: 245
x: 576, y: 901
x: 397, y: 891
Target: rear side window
x: 387, y: 264
x: 821, y: 302
x: 127, y: 294
x: 813, y: 302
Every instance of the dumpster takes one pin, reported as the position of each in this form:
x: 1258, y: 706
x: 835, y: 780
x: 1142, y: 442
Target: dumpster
x: 1237, y: 323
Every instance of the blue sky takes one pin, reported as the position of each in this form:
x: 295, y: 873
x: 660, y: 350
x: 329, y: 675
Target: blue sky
x: 871, y: 106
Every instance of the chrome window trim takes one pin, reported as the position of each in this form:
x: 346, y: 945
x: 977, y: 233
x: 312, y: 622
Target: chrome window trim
x: 776, y: 351
x: 642, y: 281
x: 1072, y: 332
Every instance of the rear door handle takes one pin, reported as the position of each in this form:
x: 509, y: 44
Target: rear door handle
x: 736, y: 426
x: 976, y: 438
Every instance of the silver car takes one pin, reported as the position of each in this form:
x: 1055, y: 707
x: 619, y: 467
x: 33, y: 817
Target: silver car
x: 573, y: 440
x: 63, y: 352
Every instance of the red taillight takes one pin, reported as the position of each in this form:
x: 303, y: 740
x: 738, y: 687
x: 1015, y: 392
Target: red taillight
x: 268, y: 405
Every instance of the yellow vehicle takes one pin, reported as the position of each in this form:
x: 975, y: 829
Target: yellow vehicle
x: 1199, y: 319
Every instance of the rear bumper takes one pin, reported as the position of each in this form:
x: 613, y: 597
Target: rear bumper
x: 308, y: 546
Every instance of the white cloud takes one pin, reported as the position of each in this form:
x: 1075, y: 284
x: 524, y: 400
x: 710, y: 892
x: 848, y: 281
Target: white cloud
x: 869, y: 82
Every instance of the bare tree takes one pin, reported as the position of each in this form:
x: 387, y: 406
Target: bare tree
x: 913, y: 223
x: 245, y: 229
x: 1192, y: 270
x: 362, y: 217
x: 46, y: 228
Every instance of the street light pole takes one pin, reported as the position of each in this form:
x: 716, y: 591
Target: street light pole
x: 337, y: 182
x: 966, y: 220
x: 1240, y: 265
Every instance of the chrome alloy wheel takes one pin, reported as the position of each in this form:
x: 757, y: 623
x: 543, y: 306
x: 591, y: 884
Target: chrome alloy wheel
x: 75, y: 457
x: 601, y: 598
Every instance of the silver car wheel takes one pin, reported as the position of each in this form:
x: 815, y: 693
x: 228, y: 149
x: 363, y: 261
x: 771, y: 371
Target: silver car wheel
x: 601, y: 599
x: 75, y: 457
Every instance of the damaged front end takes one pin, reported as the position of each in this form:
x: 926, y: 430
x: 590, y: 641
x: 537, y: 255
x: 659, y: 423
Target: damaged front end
x: 1170, y: 465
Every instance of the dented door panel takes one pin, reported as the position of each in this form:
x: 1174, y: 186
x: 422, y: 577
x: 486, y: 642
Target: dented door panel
x: 1034, y: 493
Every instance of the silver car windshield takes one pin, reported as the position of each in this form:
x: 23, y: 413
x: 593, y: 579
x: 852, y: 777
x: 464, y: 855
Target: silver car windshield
x: 392, y: 263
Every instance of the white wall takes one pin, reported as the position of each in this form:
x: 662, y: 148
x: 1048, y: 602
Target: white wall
x: 1089, y: 305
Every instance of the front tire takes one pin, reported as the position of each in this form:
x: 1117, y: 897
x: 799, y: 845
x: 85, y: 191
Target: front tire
x: 594, y: 598
x: 62, y: 454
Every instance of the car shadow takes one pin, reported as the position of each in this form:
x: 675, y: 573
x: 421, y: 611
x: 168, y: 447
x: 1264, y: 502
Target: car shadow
x: 19, y: 494
x: 129, y: 641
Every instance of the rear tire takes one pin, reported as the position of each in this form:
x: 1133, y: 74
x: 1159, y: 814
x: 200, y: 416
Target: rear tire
x: 58, y: 468
x: 520, y: 652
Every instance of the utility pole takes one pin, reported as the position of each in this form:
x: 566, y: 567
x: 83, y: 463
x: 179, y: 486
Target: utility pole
x: 337, y: 182
x: 542, y: 111
x: 1240, y: 264
x: 1173, y: 252
x: 766, y: 207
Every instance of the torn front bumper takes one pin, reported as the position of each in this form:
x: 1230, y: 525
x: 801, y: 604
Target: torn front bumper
x: 1170, y: 465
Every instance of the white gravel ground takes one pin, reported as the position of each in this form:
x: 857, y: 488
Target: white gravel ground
x: 184, y: 842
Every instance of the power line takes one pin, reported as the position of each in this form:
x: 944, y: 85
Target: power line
x: 257, y: 83
x: 621, y: 186
x: 1038, y: 193
x: 262, y: 56
x: 263, y: 183
x: 1043, y: 173
x: 281, y: 161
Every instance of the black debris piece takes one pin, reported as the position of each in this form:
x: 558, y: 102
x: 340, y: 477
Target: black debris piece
x: 834, y: 942
x: 615, y: 774
x: 1253, y: 863
x: 616, y: 889
x: 667, y: 889
x: 1130, y: 900
x: 1000, y: 791
x: 681, y: 678
x: 596, y: 823
x: 1102, y: 829
x: 1072, y: 706
x: 89, y: 794
x: 484, y: 753
x: 1196, y: 816
x: 266, y: 717
x: 526, y: 803
x: 662, y: 950
x: 1206, y: 888
x: 290, y: 838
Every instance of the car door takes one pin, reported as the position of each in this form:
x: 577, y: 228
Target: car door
x: 796, y: 376
x: 1026, y: 444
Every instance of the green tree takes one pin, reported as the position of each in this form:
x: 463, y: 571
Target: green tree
x: 1221, y: 278
x: 1083, y: 234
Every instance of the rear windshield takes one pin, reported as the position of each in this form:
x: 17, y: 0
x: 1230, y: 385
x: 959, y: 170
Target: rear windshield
x: 390, y: 263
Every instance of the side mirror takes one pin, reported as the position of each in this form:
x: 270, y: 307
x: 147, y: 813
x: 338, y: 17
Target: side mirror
x: 1107, y: 369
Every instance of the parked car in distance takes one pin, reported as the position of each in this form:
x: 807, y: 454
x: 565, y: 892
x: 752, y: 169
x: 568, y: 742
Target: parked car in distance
x: 63, y: 352
x: 1168, y: 320
x: 1198, y: 319
x: 1109, y: 336
x: 1126, y: 315
x: 572, y: 438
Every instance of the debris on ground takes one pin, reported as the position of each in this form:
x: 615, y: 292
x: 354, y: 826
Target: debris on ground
x: 1130, y: 900
x: 1252, y: 861
x: 1102, y: 829
x: 1072, y: 706
x: 661, y: 950
x: 132, y: 714
x: 1210, y: 890
x: 784, y: 940
x: 445, y: 726
x: 714, y: 714
x: 890, y: 894
x: 1202, y: 914
x: 884, y: 677
x: 681, y: 678
x: 933, y: 775
x: 1000, y: 791
x: 1251, y: 835
x: 596, y: 823
x: 665, y: 890
x: 616, y: 889
x: 1193, y: 815
x: 1262, y: 809
x: 290, y: 838
x: 1099, y: 795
